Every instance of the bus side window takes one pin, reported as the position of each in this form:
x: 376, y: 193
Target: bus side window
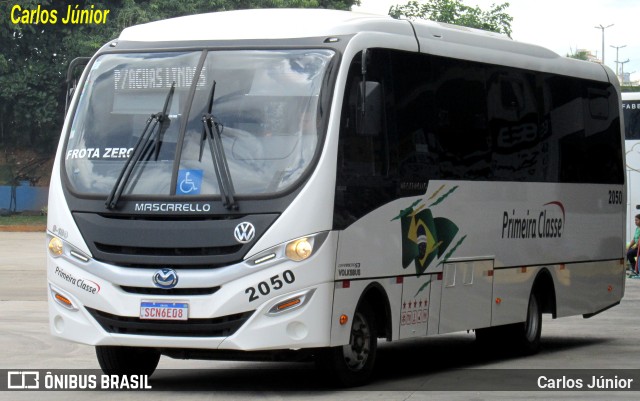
x: 363, y: 179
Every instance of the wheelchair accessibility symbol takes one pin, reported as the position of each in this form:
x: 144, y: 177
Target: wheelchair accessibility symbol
x: 189, y: 182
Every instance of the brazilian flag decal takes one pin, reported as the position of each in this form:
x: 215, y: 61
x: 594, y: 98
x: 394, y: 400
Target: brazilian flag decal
x: 424, y: 237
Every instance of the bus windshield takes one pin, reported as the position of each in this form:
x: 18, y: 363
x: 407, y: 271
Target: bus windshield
x: 265, y: 110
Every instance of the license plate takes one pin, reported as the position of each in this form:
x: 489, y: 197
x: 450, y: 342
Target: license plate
x: 164, y: 311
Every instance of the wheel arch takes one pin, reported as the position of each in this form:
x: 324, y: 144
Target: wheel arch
x: 376, y: 296
x: 544, y: 288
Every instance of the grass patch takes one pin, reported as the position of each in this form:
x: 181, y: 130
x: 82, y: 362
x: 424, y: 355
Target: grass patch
x: 22, y: 220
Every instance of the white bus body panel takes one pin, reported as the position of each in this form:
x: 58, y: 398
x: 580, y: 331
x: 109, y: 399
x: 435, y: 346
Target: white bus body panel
x: 488, y: 258
x: 466, y: 295
x: 591, y: 227
x: 414, y: 310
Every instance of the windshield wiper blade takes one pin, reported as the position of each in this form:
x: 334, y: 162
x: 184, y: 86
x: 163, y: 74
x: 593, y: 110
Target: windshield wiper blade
x: 142, y: 147
x: 212, y: 133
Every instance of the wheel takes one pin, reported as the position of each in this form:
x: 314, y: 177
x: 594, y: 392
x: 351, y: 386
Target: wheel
x: 519, y: 337
x: 352, y: 364
x: 526, y: 335
x: 127, y: 360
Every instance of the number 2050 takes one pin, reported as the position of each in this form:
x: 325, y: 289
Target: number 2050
x: 275, y: 283
x: 615, y: 197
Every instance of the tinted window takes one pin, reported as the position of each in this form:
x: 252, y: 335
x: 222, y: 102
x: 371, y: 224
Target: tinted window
x: 450, y: 119
x: 631, y: 112
x: 584, y: 131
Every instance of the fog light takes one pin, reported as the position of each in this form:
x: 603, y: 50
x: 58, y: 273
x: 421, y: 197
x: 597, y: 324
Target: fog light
x: 56, y: 247
x: 299, y: 249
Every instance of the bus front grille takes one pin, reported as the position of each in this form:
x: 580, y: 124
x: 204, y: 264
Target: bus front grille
x: 158, y: 242
x: 170, y: 291
x: 158, y: 251
x: 223, y: 326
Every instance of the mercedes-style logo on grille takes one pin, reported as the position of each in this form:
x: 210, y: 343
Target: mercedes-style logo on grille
x: 244, y: 232
x: 165, y: 278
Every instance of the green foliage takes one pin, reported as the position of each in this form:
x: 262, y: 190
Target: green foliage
x: 630, y: 88
x: 6, y: 175
x: 34, y: 57
x: 455, y: 12
x: 579, y: 55
x: 23, y: 220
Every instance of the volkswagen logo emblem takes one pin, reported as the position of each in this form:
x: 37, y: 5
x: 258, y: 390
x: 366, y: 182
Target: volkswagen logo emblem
x: 165, y: 278
x: 244, y: 232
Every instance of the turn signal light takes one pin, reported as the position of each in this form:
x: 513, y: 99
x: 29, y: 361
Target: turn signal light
x: 292, y: 303
x: 56, y: 247
x: 62, y: 299
x: 299, y: 249
x: 288, y: 304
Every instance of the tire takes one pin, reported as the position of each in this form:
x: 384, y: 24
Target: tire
x: 351, y: 365
x: 526, y: 335
x: 520, y: 338
x: 127, y: 360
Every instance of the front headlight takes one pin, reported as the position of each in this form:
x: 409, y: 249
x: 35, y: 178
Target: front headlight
x: 296, y: 250
x: 58, y: 247
x: 299, y: 249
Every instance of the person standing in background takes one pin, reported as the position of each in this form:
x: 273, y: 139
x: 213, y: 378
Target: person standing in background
x: 632, y: 250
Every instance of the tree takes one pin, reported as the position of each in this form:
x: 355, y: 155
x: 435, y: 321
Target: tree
x: 34, y: 57
x: 455, y: 12
x: 579, y: 55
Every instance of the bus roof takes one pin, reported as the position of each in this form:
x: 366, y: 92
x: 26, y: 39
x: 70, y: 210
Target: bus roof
x: 275, y: 23
x: 431, y: 37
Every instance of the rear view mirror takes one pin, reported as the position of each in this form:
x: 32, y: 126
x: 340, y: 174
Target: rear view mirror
x: 73, y: 77
x: 369, y: 113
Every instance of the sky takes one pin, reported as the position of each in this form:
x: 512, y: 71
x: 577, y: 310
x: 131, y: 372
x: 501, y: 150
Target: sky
x: 565, y: 25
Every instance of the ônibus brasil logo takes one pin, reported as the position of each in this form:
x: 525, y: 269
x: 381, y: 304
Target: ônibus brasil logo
x: 546, y: 222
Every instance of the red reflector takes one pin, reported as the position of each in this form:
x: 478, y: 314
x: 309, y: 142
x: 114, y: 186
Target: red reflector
x: 523, y: 269
x: 399, y: 280
x: 346, y: 283
x: 439, y: 276
x: 490, y: 273
x: 562, y: 266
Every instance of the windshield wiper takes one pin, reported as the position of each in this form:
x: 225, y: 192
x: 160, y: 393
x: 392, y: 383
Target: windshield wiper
x: 212, y: 133
x: 141, y: 148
